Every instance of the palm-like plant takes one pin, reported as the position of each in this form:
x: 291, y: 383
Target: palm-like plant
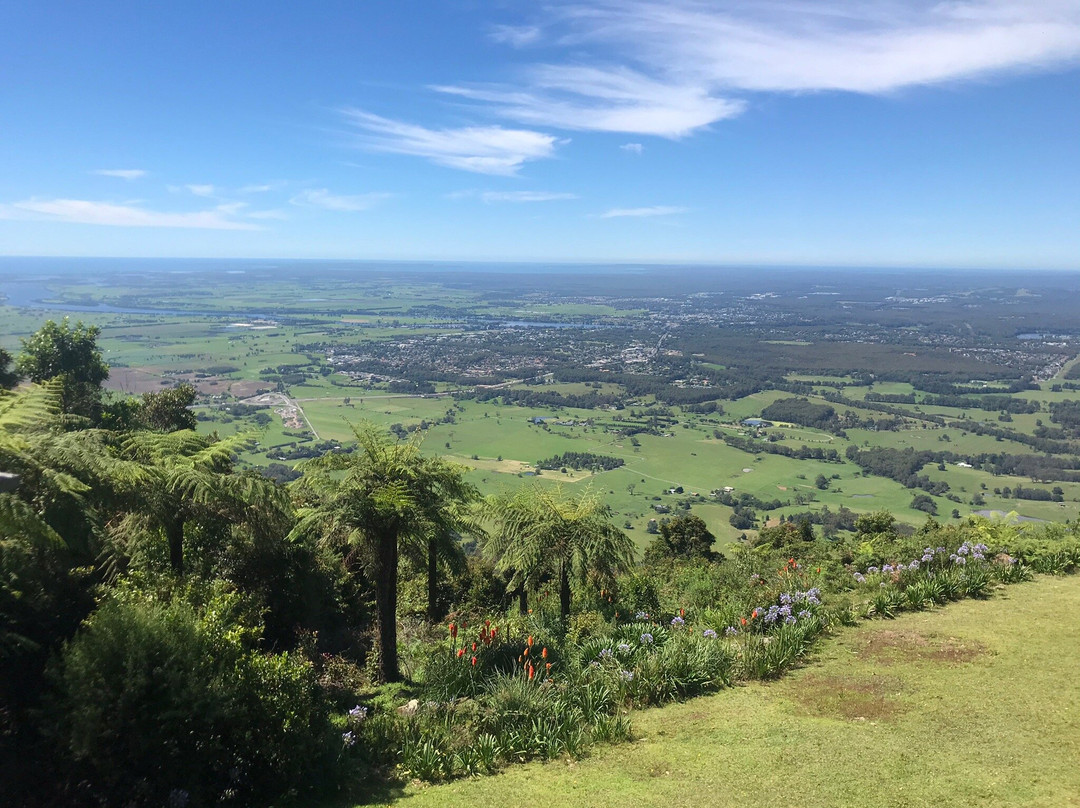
x: 546, y: 531
x: 28, y: 432
x: 374, y: 501
x: 169, y: 480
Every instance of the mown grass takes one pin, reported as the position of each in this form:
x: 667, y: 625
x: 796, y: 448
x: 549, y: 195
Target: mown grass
x: 975, y: 704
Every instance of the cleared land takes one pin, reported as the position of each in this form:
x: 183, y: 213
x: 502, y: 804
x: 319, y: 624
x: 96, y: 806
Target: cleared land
x: 975, y: 704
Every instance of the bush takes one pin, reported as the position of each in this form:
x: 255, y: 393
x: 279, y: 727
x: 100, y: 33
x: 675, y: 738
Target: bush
x: 161, y: 702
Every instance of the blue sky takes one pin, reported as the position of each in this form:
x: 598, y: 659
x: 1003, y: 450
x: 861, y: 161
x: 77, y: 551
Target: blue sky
x: 866, y: 132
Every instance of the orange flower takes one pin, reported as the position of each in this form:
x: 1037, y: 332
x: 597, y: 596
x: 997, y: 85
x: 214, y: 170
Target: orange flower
x: 543, y: 652
x: 453, y: 631
x: 474, y: 661
x: 549, y: 666
x: 474, y: 646
x: 530, y: 640
x: 526, y: 652
x: 460, y: 653
x: 682, y: 612
x: 532, y: 671
x: 743, y: 619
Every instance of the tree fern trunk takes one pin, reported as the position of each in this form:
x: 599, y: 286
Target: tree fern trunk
x: 523, y: 599
x: 386, y: 596
x: 174, y: 534
x: 432, y: 582
x: 564, y: 592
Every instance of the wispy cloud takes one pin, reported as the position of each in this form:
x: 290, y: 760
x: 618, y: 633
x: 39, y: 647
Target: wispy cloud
x: 517, y: 35
x: 343, y: 203
x: 669, y: 68
x: 121, y: 173
x: 618, y: 99
x: 268, y: 214
x: 655, y: 210
x: 481, y: 149
x: 633, y: 148
x: 82, y: 211
x: 201, y: 190
x: 525, y: 196
x: 260, y: 188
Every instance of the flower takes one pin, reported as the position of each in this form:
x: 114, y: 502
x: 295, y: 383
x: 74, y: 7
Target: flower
x: 709, y: 633
x: 606, y: 653
x: 646, y: 639
x: 623, y: 648
x: 358, y: 713
x: 461, y: 653
x: 626, y: 676
x: 872, y: 570
x: 677, y: 622
x: 641, y: 616
x: 530, y: 641
x: 348, y: 738
x: 549, y: 666
x: 532, y: 671
x: 453, y: 631
x: 860, y: 578
x: 543, y: 652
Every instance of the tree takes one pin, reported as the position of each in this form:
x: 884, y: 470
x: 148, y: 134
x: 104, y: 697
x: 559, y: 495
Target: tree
x: 167, y: 410
x: 166, y: 481
x: 544, y: 531
x: 822, y: 482
x: 373, y: 501
x: 71, y: 356
x: 8, y: 377
x: 685, y: 537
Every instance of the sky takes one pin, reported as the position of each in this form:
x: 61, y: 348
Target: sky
x: 820, y: 132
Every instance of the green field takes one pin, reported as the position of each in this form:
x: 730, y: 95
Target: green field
x: 941, y: 708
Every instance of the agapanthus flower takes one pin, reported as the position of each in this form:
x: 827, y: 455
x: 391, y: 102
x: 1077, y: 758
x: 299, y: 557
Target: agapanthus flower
x: 641, y: 616
x: 607, y: 653
x: 872, y: 570
x: 626, y: 676
x: 646, y: 639
x: 348, y: 738
x: 677, y: 622
x: 730, y: 631
x: 358, y: 713
x: 623, y: 648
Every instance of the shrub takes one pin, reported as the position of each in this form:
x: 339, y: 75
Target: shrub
x: 160, y: 701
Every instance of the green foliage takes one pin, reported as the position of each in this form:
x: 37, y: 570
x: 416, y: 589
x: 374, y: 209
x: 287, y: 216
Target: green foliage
x: 158, y: 698
x: 70, y: 355
x: 685, y: 537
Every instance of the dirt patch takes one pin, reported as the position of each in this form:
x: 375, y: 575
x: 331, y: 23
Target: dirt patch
x: 886, y: 647
x: 134, y: 380
x: 782, y: 487
x: 852, y: 698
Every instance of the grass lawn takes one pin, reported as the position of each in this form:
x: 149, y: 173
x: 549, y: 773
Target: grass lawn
x: 974, y: 704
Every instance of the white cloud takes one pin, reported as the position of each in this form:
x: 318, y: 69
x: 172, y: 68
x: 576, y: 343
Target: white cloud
x: 481, y: 149
x: 121, y: 173
x: 633, y: 148
x: 83, y: 211
x: 322, y: 198
x: 201, y: 190
x: 655, y: 210
x: 669, y: 68
x: 517, y: 35
x: 268, y: 214
x: 525, y: 196
x: 618, y: 99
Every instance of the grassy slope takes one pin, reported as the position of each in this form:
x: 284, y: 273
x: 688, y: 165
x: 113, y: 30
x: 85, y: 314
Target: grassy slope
x: 976, y: 704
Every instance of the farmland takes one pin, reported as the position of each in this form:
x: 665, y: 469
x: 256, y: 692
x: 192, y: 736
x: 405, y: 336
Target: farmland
x: 497, y: 370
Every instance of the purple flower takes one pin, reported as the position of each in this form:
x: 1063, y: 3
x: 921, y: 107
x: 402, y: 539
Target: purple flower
x: 963, y: 549
x: 789, y: 619
x: 623, y: 648
x: 646, y: 639
x: 358, y: 713
x: 928, y: 557
x: 641, y: 616
x: 677, y: 622
x: 607, y: 653
x: 860, y: 577
x: 961, y: 560
x: 730, y: 631
x: 626, y: 676
x: 805, y: 613
x: 709, y: 634
x: 871, y: 570
x: 914, y: 565
x: 348, y: 738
